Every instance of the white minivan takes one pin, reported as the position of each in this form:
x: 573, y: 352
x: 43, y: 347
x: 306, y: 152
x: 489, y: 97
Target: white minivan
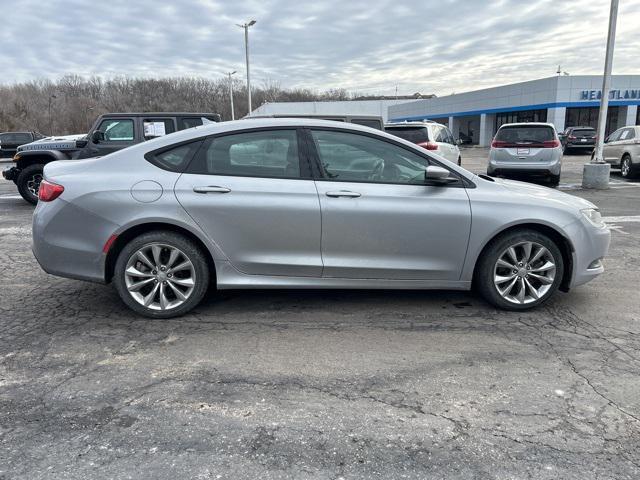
x: 430, y: 135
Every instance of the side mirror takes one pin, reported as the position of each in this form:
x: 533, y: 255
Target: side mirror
x: 97, y: 136
x: 434, y: 173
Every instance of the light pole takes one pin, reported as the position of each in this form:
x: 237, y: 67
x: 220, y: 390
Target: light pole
x: 246, y: 49
x: 51, y: 97
x: 233, y: 115
x: 596, y: 173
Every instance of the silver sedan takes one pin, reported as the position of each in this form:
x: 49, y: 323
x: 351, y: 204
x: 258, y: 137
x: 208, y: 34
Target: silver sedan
x: 293, y: 203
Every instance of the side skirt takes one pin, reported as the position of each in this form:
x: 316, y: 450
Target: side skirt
x: 229, y: 278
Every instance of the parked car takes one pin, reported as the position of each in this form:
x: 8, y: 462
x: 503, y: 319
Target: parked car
x: 109, y: 133
x: 526, y: 149
x: 429, y: 135
x: 371, y: 121
x: 578, y: 138
x: 295, y: 203
x: 10, y: 141
x: 622, y: 149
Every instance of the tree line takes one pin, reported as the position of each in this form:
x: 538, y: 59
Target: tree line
x: 71, y: 104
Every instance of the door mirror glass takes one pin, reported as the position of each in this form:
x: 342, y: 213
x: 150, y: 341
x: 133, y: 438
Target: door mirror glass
x: 434, y: 172
x: 97, y: 136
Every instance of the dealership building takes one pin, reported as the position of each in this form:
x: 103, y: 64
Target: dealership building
x: 564, y: 101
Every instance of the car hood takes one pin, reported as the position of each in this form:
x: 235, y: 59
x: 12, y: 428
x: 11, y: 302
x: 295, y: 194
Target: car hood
x: 544, y: 194
x: 61, y: 142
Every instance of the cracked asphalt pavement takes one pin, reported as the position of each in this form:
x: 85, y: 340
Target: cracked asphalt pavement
x: 322, y: 384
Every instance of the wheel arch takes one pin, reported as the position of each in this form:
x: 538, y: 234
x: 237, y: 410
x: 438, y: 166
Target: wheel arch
x: 563, y: 243
x: 27, y: 158
x: 134, y: 231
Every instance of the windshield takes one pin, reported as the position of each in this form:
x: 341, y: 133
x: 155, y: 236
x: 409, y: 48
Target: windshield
x: 15, y: 138
x: 412, y: 134
x: 528, y: 134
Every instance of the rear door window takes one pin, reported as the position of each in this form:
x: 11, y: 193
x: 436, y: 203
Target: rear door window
x: 412, y: 134
x: 271, y: 153
x: 157, y: 127
x: 190, y: 122
x: 525, y: 135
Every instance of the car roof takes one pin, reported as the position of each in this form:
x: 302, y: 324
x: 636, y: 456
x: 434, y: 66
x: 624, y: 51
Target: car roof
x: 411, y: 124
x: 528, y: 124
x: 160, y: 114
x: 583, y: 127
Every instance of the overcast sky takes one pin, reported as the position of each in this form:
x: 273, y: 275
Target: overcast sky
x: 368, y: 46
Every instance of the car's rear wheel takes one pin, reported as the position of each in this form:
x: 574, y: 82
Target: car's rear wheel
x: 28, y: 182
x: 161, y: 274
x: 519, y: 270
x: 626, y: 167
x: 554, y: 180
x: 459, y: 160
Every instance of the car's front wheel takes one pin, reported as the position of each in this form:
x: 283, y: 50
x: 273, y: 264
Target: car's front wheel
x: 519, y: 270
x: 28, y: 182
x: 626, y: 167
x: 161, y: 274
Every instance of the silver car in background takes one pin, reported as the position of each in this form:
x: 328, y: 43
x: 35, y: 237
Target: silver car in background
x: 293, y: 203
x: 526, y: 150
x: 622, y: 149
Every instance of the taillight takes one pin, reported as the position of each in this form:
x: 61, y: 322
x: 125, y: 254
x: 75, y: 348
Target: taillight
x: 49, y: 191
x: 428, y: 145
x: 498, y: 144
x: 551, y: 144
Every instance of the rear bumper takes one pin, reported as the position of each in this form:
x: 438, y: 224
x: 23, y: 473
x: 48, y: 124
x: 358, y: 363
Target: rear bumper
x: 589, y: 144
x: 11, y: 173
x: 62, y: 248
x: 529, y: 169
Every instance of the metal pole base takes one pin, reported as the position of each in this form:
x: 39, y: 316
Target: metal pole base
x: 596, y: 175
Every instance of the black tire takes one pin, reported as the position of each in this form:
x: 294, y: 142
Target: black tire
x: 186, y: 247
x: 627, y: 171
x: 459, y: 161
x: 554, y: 180
x: 486, y: 268
x: 28, y: 182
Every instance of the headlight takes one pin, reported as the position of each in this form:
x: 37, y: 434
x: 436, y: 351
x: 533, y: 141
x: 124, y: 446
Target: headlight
x: 594, y: 217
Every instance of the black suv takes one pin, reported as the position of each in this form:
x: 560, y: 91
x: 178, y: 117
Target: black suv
x: 578, y: 138
x: 10, y: 141
x: 109, y: 133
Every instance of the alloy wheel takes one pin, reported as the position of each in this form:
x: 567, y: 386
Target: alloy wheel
x: 524, y: 272
x: 33, y: 184
x: 625, y: 167
x: 160, y: 276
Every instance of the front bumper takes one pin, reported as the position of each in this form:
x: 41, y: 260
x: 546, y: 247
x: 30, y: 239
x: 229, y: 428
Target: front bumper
x: 590, y: 247
x: 11, y: 173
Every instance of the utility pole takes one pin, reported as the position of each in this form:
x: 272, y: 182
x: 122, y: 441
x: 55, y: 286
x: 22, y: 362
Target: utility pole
x: 596, y: 173
x: 246, y: 49
x: 233, y: 115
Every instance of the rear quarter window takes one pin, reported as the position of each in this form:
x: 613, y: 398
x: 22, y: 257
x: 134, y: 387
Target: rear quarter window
x: 174, y: 158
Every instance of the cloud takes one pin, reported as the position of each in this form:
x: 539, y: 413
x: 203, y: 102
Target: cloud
x: 365, y: 46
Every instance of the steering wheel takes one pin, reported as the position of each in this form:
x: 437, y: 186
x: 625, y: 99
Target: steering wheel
x: 378, y: 169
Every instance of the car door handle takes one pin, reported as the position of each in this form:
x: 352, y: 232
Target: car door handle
x: 343, y: 193
x: 211, y: 189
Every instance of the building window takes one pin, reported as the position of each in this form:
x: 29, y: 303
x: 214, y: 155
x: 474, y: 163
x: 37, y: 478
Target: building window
x: 520, y: 117
x: 588, y: 117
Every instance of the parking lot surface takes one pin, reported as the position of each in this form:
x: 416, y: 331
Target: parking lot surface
x: 322, y: 384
